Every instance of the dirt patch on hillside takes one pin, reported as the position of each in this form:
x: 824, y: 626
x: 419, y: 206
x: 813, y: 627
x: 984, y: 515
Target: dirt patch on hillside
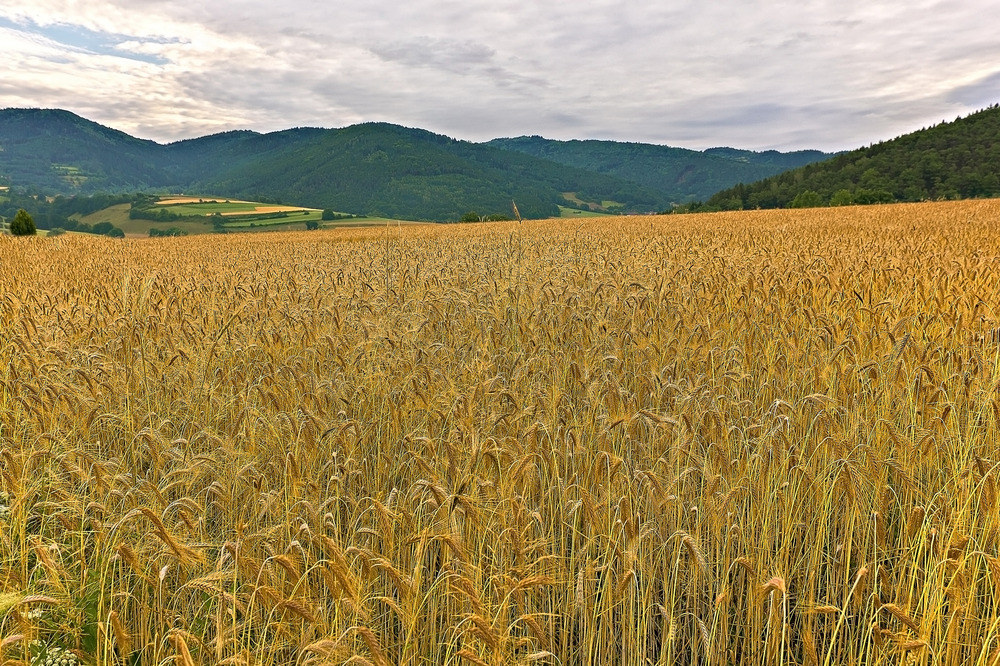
x: 171, y: 201
x: 264, y: 209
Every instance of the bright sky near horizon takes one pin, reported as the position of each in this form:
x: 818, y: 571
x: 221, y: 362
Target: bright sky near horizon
x: 827, y: 74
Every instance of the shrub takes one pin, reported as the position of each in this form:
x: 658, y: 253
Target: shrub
x: 23, y: 224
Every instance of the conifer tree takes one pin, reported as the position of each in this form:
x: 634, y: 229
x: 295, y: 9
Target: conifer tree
x: 22, y: 224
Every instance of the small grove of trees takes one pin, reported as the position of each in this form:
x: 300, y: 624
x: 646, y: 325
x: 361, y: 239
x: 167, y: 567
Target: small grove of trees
x: 473, y: 216
x: 329, y: 215
x: 312, y: 225
x: 23, y: 224
x: 172, y: 232
x: 105, y: 228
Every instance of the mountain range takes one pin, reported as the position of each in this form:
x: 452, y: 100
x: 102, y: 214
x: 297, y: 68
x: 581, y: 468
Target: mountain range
x: 374, y: 169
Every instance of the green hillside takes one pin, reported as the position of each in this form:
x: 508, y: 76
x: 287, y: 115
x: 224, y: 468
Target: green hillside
x: 390, y: 171
x: 373, y: 169
x: 956, y: 160
x: 60, y: 152
x: 679, y: 174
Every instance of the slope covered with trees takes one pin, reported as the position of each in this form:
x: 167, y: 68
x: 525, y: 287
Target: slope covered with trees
x: 59, y: 152
x: 681, y: 175
x: 386, y: 170
x: 956, y: 160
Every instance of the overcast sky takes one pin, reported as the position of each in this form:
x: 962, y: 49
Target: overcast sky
x: 752, y: 74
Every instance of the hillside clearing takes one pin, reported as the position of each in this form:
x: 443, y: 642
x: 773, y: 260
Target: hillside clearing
x: 272, y: 209
x: 206, y: 206
x: 175, y: 200
x: 565, y: 211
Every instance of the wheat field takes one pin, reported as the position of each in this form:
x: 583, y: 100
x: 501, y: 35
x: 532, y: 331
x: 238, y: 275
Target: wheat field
x: 762, y: 437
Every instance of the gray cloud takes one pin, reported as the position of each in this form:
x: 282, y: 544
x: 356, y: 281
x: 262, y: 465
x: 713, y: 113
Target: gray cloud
x: 821, y: 73
x: 455, y: 57
x: 982, y: 92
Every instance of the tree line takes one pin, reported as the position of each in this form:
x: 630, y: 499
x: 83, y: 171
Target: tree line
x: 48, y: 213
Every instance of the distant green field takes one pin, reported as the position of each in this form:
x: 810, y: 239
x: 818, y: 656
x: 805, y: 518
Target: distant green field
x: 208, y: 208
x: 293, y: 217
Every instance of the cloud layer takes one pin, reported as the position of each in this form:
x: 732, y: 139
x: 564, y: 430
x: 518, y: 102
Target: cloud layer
x: 815, y: 74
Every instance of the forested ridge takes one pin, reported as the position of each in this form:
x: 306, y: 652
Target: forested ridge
x: 369, y: 169
x: 682, y: 175
x: 954, y: 160
x: 375, y: 169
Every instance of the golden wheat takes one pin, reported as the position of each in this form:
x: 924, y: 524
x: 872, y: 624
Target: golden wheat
x: 748, y: 438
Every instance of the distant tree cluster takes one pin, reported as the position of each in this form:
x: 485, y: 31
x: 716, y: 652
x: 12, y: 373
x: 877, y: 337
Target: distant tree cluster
x: 327, y: 215
x: 473, y: 216
x: 172, y: 232
x: 101, y: 228
x: 23, y: 224
x: 52, y: 212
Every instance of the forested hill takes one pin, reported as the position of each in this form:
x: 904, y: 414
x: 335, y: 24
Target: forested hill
x: 369, y: 169
x: 956, y: 160
x: 59, y: 152
x: 391, y: 171
x: 680, y: 174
